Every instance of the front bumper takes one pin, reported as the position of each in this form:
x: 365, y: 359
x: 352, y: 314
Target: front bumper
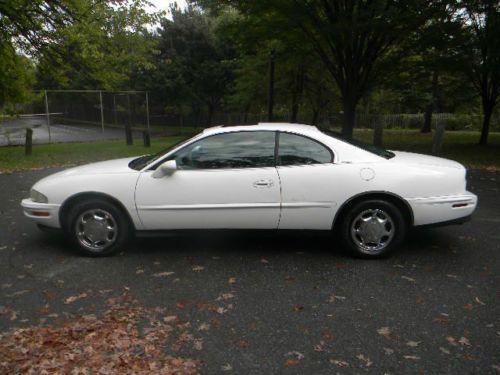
x: 450, y: 208
x: 46, y: 214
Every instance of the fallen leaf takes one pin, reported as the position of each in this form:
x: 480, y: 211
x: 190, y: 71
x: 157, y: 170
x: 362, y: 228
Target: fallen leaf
x: 384, y: 331
x: 364, y: 359
x: 298, y: 355
x: 204, y: 327
x: 226, y: 367
x: 413, y: 344
x: 451, y: 340
x: 291, y: 362
x: 468, y: 306
x: 479, y: 301
x: 334, y: 298
x: 232, y: 280
x: 443, y: 350
x: 388, y: 351
x: 225, y: 296
x: 464, y: 341
x: 170, y: 318
x: 412, y: 357
x: 163, y: 274
x: 339, y: 362
x: 75, y: 298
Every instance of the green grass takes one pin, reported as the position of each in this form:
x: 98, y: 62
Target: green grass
x: 12, y: 158
x: 458, y: 145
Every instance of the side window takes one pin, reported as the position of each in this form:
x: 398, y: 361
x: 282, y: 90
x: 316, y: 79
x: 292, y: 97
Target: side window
x: 229, y: 150
x: 298, y: 150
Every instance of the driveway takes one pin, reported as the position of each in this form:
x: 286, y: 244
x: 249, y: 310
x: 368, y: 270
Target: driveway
x: 268, y: 304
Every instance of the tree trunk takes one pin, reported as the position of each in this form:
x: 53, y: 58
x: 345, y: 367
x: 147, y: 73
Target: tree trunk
x: 315, y: 117
x: 270, y: 99
x: 483, y: 141
x: 427, y: 119
x: 297, y: 93
x: 210, y: 114
x: 432, y: 104
x: 349, y: 107
x: 245, y: 114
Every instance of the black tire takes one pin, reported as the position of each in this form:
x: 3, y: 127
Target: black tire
x: 372, y: 229
x: 109, y: 227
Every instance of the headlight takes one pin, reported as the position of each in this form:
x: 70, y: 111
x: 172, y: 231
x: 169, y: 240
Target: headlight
x: 38, y: 197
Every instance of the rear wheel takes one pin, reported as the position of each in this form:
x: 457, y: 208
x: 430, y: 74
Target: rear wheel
x: 373, y: 228
x: 98, y: 228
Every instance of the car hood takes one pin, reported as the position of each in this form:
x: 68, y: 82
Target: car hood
x: 410, y: 158
x: 116, y: 166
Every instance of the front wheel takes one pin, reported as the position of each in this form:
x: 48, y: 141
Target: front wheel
x: 98, y: 228
x: 373, y: 228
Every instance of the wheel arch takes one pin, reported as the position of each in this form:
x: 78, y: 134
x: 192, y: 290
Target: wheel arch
x: 395, y: 199
x: 80, y: 197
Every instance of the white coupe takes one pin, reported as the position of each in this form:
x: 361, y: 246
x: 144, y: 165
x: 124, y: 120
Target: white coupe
x: 265, y: 176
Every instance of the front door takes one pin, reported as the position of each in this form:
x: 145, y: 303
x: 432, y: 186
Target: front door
x: 227, y: 180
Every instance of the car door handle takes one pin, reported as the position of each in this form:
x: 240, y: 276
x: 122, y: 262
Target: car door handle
x: 263, y: 184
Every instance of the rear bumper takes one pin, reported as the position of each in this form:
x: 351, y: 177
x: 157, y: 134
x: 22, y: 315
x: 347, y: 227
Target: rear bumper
x: 45, y: 214
x: 443, y: 210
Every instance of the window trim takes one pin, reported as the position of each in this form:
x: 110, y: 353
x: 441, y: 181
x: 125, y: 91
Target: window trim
x: 276, y: 158
x: 168, y: 156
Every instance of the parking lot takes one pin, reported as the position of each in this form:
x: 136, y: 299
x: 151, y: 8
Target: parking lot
x: 269, y: 304
x: 13, y: 132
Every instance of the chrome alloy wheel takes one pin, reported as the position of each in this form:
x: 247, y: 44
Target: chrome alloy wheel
x: 96, y: 229
x: 372, y: 230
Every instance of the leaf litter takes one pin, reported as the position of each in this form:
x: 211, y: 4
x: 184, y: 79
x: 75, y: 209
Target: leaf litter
x: 126, y: 338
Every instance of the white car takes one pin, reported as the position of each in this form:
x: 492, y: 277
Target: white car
x: 265, y: 176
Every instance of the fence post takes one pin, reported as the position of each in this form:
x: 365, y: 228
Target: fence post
x: 28, y: 145
x: 438, y: 139
x: 102, y: 110
x: 378, y: 130
x: 146, y: 138
x: 147, y: 121
x: 47, y: 114
x: 128, y: 130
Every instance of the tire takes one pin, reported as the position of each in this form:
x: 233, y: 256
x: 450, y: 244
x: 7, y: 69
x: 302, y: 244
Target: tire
x: 98, y: 228
x: 373, y: 229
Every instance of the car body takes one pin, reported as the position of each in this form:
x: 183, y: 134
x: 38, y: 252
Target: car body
x: 265, y: 176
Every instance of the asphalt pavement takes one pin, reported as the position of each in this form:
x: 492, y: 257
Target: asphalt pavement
x: 277, y: 304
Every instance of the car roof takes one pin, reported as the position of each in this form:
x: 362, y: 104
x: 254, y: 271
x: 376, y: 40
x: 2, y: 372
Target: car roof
x: 273, y: 126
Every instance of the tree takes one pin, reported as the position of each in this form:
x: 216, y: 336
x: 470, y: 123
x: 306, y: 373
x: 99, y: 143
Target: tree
x: 100, y: 49
x: 481, y: 51
x: 195, y: 63
x: 352, y: 38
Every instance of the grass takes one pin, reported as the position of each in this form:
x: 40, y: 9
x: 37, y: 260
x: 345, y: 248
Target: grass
x: 458, y: 145
x: 12, y: 158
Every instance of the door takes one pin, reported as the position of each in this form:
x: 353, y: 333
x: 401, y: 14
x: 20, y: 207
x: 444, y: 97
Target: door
x: 227, y: 180
x: 308, y: 182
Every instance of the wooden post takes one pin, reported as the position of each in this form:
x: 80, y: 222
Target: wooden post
x: 28, y: 145
x: 146, y: 138
x: 438, y: 139
x: 128, y: 130
x: 147, y: 123
x: 102, y: 110
x: 378, y: 130
x: 47, y: 114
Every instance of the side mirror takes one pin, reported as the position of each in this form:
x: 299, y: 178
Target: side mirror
x: 166, y: 169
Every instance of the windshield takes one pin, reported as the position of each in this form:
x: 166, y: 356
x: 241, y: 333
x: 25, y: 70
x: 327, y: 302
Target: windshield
x: 365, y: 146
x: 144, y: 160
